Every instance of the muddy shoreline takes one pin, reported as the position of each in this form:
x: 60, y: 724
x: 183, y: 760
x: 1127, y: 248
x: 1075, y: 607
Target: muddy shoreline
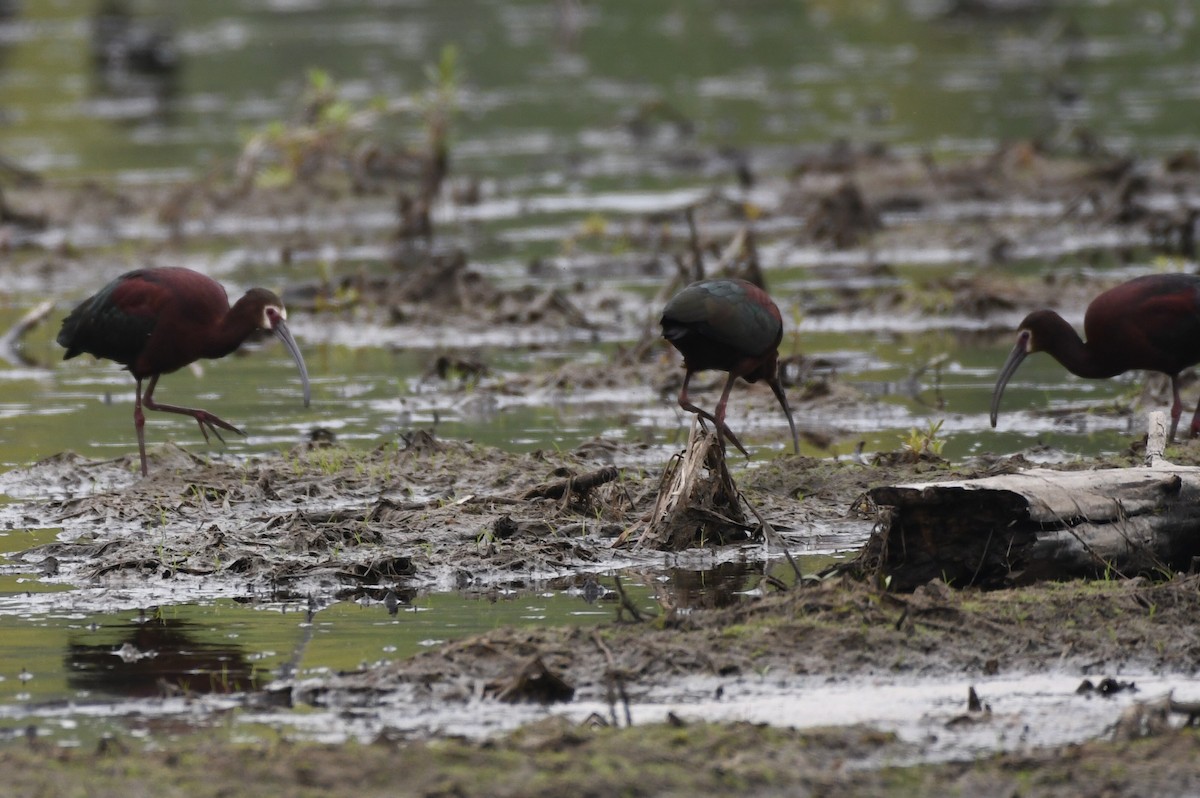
x: 424, y: 515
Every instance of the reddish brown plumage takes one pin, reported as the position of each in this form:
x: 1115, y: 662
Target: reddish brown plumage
x: 1150, y: 322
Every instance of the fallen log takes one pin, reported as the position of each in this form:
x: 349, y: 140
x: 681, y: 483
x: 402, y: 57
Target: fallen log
x: 1037, y: 525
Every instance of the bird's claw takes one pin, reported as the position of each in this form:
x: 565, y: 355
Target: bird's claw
x: 723, y: 431
x: 209, y: 423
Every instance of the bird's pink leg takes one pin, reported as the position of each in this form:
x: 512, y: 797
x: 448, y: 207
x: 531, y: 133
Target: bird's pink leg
x: 686, y: 403
x: 718, y: 420
x: 206, y: 420
x: 139, y: 424
x: 1195, y: 430
x: 1177, y: 409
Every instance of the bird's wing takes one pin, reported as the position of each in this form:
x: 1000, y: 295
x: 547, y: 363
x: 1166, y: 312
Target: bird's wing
x: 1171, y: 325
x: 727, y: 313
x: 136, y: 296
x: 115, y: 322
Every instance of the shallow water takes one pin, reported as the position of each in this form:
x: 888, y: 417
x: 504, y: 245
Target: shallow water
x: 564, y: 119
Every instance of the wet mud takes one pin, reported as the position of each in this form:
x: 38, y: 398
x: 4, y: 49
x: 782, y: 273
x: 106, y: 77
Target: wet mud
x: 421, y: 513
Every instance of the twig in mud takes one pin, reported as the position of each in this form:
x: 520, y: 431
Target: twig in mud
x: 1189, y: 708
x: 628, y: 496
x: 742, y: 251
x: 774, y: 582
x: 773, y: 537
x: 613, y: 677
x: 290, y: 668
x: 694, y: 243
x: 626, y: 602
x: 384, y: 505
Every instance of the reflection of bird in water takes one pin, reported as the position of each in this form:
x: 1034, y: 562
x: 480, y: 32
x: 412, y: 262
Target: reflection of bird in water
x: 1150, y: 323
x: 155, y: 321
x: 159, y: 654
x: 710, y: 589
x: 731, y: 326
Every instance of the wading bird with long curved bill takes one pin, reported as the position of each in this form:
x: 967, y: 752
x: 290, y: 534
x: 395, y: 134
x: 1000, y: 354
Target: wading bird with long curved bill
x: 155, y: 321
x: 731, y: 326
x: 1150, y: 323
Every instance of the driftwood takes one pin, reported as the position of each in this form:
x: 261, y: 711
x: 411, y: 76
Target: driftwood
x: 579, y: 485
x: 1039, y: 524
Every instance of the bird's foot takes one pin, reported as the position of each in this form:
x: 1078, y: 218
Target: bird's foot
x: 723, y: 431
x: 210, y: 423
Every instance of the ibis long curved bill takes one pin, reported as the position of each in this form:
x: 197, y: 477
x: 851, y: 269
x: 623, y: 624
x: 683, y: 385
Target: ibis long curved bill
x: 787, y: 411
x: 1015, y: 357
x: 284, y: 334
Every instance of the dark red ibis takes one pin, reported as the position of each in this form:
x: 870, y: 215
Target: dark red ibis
x: 1150, y: 323
x: 155, y: 321
x: 731, y: 326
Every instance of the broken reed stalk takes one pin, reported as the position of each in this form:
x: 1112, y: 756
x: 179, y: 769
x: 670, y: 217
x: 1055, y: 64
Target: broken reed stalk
x: 697, y: 500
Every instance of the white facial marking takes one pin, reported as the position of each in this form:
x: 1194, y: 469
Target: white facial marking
x: 270, y: 314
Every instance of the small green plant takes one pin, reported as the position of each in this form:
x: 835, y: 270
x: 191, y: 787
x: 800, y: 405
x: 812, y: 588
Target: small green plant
x: 926, y: 442
x: 334, y: 134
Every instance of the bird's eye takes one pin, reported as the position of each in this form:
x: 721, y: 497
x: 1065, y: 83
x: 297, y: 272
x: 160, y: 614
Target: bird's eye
x: 272, y: 315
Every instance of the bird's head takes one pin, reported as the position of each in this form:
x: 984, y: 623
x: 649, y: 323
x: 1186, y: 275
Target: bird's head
x: 1034, y: 331
x: 272, y: 316
x: 1038, y: 329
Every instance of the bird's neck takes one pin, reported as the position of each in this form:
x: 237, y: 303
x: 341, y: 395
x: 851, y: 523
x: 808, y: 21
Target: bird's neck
x: 1077, y: 357
x: 235, y: 327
